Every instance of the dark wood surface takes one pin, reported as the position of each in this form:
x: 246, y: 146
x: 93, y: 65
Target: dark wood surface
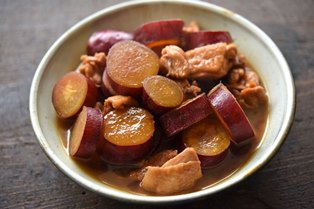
x: 29, y: 180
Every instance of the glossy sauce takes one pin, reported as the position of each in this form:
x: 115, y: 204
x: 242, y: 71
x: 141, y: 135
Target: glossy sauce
x: 118, y: 176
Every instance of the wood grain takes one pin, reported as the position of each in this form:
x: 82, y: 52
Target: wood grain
x: 29, y: 180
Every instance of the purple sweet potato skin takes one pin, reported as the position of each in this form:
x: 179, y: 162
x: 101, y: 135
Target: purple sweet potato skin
x: 233, y: 117
x: 102, y: 41
x: 159, y: 30
x: 186, y: 115
x: 202, y: 38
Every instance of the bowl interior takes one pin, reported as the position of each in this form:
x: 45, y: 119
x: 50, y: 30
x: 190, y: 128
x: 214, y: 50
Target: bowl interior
x: 64, y: 56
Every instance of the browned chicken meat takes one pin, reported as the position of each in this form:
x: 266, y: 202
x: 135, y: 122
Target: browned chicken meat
x: 174, y: 61
x: 190, y: 90
x: 118, y: 102
x: 93, y: 66
x: 207, y: 62
x: 177, y: 174
x: 253, y: 97
x: 157, y: 160
x: 245, y: 85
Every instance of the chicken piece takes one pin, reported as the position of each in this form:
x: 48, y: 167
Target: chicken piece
x: 193, y: 26
x: 177, y: 174
x: 118, y: 102
x: 187, y: 155
x: 235, y: 78
x: 245, y: 85
x: 157, y: 160
x: 172, y: 179
x: 253, y: 97
x: 160, y: 158
x: 241, y: 78
x: 207, y: 62
x: 189, y: 90
x: 174, y: 61
x: 93, y: 66
x: 252, y: 79
x: 211, y: 61
x: 239, y: 61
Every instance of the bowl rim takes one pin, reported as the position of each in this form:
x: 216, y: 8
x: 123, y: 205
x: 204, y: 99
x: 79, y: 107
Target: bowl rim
x: 125, y: 196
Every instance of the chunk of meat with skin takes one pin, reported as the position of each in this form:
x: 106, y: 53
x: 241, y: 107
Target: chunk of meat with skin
x: 211, y: 61
x: 239, y: 61
x: 156, y: 160
x: 245, y: 85
x: 252, y: 79
x: 235, y: 78
x: 187, y: 155
x: 172, y: 179
x: 178, y: 174
x: 174, y: 61
x: 118, y: 102
x: 207, y: 62
x: 253, y: 97
x: 241, y: 78
x: 93, y: 67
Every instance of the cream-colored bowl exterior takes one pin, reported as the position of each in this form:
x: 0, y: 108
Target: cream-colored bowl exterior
x: 64, y: 55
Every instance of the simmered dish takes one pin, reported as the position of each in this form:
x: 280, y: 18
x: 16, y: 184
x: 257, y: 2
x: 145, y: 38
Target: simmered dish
x: 165, y: 110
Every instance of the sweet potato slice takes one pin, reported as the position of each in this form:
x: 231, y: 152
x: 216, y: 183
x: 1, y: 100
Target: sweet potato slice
x: 85, y: 133
x: 128, y: 64
x: 162, y: 31
x: 161, y: 94
x: 185, y: 115
x: 106, y: 87
x: 128, y: 135
x: 231, y: 115
x: 158, y: 34
x: 71, y: 93
x: 209, y: 139
x: 102, y: 41
x: 202, y: 38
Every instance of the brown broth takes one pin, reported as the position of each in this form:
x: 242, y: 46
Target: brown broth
x: 117, y: 176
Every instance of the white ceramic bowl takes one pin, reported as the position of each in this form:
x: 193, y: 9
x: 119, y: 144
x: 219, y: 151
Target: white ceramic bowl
x: 64, y: 55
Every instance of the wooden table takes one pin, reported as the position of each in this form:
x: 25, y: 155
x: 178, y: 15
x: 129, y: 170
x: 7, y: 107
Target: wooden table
x: 29, y: 180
